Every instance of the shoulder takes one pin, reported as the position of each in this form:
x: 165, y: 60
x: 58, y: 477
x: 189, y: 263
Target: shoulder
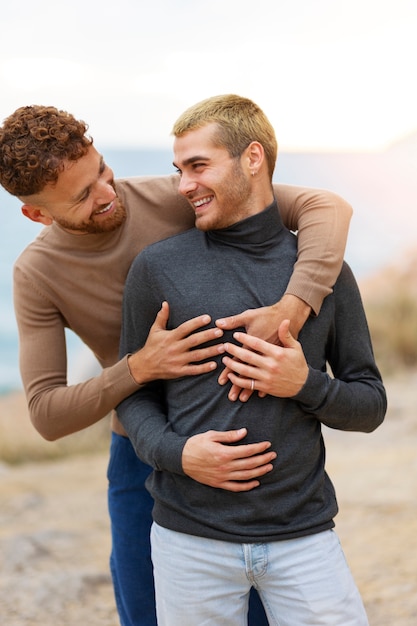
x: 346, y: 289
x: 180, y: 244
x: 346, y: 276
x: 172, y: 250
x: 36, y: 249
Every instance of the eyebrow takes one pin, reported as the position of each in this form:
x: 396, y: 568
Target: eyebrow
x: 82, y: 193
x: 191, y: 160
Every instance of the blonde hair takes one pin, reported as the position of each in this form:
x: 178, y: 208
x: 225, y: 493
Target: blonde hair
x: 239, y: 122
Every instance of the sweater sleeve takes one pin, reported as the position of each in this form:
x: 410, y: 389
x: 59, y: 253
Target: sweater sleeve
x: 352, y: 397
x: 55, y: 408
x: 322, y: 220
x: 143, y: 414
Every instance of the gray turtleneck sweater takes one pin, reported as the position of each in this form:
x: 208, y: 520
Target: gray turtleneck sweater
x: 222, y: 273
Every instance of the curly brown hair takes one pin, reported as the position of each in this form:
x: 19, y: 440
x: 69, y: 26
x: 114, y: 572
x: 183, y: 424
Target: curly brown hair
x: 35, y: 142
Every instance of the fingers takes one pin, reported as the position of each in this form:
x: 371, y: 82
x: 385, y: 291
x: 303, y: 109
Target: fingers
x: 186, y: 333
x: 241, y: 387
x: 201, y: 337
x: 245, y: 480
x: 161, y: 319
x: 238, y: 390
x: 236, y: 487
x: 227, y: 436
x: 224, y: 376
x: 247, y: 361
x: 284, y: 335
x: 242, y: 474
x: 232, y: 322
x: 254, y: 344
x: 242, y: 362
x: 244, y: 366
x: 186, y: 328
x: 251, y: 451
x: 208, y: 460
x: 195, y: 361
x: 190, y: 326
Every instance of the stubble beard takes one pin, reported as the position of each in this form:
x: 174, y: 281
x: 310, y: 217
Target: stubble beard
x: 235, y: 194
x: 95, y: 226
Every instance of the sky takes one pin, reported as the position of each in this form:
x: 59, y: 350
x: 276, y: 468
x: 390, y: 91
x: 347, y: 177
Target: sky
x: 332, y: 75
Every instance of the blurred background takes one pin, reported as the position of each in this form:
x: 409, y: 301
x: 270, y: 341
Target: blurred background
x: 337, y: 80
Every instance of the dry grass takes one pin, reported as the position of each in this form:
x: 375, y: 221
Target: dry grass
x: 390, y: 300
x: 393, y: 325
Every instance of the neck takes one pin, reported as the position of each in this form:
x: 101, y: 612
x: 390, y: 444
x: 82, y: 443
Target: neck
x: 262, y: 195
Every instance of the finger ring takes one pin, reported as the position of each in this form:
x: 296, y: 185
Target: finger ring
x: 252, y: 384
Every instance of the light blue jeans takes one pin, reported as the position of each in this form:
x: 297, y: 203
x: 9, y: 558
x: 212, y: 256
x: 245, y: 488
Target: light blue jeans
x: 301, y: 582
x: 130, y: 507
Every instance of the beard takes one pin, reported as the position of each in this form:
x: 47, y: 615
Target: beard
x: 97, y: 224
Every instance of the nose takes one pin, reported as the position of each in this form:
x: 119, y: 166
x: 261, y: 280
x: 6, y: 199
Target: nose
x: 105, y: 193
x: 187, y: 184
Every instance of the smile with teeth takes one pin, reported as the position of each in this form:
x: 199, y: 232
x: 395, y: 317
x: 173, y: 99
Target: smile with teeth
x: 105, y: 209
x: 202, y: 201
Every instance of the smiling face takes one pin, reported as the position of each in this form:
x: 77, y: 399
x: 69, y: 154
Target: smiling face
x: 83, y: 200
x: 218, y: 187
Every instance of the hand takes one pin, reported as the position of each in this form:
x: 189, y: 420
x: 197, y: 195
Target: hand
x: 275, y: 370
x: 173, y: 353
x: 209, y: 459
x: 264, y: 323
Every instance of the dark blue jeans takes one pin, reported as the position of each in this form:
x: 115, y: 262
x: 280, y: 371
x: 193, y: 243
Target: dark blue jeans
x: 130, y: 508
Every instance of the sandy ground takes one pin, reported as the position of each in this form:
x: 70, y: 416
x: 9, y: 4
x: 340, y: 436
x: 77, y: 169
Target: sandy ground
x: 54, y: 531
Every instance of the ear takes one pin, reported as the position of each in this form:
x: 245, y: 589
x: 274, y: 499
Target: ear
x: 255, y: 155
x: 36, y: 214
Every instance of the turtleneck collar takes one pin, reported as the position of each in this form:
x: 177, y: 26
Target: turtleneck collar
x: 260, y: 230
